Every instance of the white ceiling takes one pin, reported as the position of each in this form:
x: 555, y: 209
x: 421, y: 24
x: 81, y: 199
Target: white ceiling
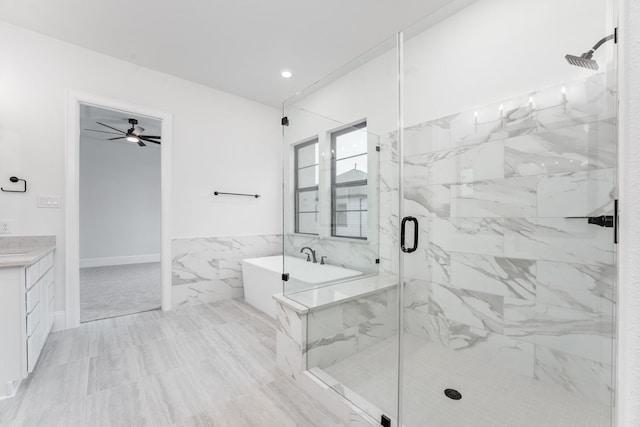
x: 239, y: 46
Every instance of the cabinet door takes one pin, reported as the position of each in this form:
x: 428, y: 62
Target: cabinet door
x: 44, y: 306
x: 51, y: 299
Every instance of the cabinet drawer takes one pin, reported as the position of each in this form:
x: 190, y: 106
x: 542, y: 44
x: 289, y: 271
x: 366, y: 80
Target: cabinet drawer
x: 33, y: 296
x: 46, y: 262
x: 34, y: 345
x: 32, y: 275
x: 48, y: 278
x: 51, y: 292
x: 52, y: 305
x: 33, y: 320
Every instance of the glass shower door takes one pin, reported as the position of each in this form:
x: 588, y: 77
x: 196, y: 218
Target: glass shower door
x: 508, y: 154
x: 340, y: 227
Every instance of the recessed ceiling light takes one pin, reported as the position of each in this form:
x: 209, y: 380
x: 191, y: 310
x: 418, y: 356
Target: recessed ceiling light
x: 286, y: 74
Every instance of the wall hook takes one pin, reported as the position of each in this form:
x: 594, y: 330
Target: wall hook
x: 16, y: 179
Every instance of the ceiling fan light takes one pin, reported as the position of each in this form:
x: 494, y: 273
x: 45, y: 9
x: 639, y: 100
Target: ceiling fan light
x: 133, y: 138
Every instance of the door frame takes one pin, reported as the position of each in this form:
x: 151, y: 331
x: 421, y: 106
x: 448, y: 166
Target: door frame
x: 72, y: 196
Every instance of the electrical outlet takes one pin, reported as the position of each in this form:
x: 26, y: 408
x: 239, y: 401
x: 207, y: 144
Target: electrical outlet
x: 5, y: 227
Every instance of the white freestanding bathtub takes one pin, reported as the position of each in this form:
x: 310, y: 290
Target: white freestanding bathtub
x: 262, y: 278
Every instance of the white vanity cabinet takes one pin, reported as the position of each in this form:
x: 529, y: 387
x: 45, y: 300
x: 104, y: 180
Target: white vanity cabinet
x: 26, y: 317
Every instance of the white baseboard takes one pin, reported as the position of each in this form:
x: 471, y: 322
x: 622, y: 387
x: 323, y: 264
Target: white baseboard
x: 59, y: 321
x: 118, y: 260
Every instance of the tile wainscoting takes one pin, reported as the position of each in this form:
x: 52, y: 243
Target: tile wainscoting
x: 208, y: 269
x: 346, y: 253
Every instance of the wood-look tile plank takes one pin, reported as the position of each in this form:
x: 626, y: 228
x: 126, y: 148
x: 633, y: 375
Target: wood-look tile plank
x: 112, y: 370
x: 54, y: 385
x: 124, y: 406
x: 206, y: 365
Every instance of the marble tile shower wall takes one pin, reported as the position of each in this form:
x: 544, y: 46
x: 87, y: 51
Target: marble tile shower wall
x: 501, y: 273
x: 208, y: 269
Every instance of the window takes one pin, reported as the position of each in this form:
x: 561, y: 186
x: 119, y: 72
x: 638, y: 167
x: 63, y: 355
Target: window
x: 307, y: 173
x: 349, y: 182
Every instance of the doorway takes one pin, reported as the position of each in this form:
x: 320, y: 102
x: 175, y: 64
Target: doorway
x: 120, y: 216
x: 75, y: 100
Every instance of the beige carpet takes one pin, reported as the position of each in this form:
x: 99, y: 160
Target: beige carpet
x: 118, y: 290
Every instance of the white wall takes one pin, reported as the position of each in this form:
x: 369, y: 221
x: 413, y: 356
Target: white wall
x: 220, y: 141
x: 629, y: 249
x: 119, y: 203
x: 489, y: 51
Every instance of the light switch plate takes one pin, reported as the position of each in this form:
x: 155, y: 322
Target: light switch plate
x: 48, y: 201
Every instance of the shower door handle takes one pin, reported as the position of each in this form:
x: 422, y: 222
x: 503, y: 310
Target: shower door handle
x: 403, y: 226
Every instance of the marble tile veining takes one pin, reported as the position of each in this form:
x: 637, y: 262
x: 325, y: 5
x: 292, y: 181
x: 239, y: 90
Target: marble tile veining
x: 208, y: 269
x: 502, y: 273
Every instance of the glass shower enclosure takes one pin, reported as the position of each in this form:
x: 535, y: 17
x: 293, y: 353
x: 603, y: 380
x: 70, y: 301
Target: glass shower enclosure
x: 449, y: 218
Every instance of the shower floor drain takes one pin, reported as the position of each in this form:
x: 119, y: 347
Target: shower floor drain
x: 453, y: 394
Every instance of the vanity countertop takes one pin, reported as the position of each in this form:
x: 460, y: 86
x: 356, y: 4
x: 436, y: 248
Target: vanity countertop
x: 24, y: 251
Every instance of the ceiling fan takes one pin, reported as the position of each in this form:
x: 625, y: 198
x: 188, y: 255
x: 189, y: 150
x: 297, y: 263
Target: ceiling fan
x: 133, y: 134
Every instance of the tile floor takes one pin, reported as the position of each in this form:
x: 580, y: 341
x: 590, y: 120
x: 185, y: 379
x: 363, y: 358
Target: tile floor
x: 204, y: 365
x: 118, y: 290
x: 491, y: 396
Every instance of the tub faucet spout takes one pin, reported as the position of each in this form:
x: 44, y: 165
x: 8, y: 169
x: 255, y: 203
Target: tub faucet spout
x: 313, y: 254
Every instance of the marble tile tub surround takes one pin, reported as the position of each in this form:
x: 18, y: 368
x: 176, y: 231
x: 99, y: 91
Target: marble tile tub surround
x: 501, y: 273
x: 324, y: 335
x: 208, y: 269
x: 347, y: 253
x: 291, y: 359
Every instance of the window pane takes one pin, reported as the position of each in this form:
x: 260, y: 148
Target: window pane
x: 351, y: 224
x: 307, y: 223
x: 351, y: 198
x: 308, y: 201
x: 308, y: 177
x: 308, y: 155
x: 352, y: 143
x: 349, y: 166
x: 352, y: 169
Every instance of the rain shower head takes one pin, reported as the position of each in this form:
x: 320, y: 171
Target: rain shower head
x: 585, y: 60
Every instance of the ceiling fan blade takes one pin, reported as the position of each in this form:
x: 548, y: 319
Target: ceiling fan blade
x: 103, y: 131
x: 152, y: 136
x: 144, y: 138
x: 111, y: 127
x: 113, y: 139
x: 142, y: 144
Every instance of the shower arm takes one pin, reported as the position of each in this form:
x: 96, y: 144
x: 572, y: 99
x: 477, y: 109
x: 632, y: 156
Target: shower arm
x: 595, y: 47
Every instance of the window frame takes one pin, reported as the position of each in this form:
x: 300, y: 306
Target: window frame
x: 297, y: 191
x: 363, y: 182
